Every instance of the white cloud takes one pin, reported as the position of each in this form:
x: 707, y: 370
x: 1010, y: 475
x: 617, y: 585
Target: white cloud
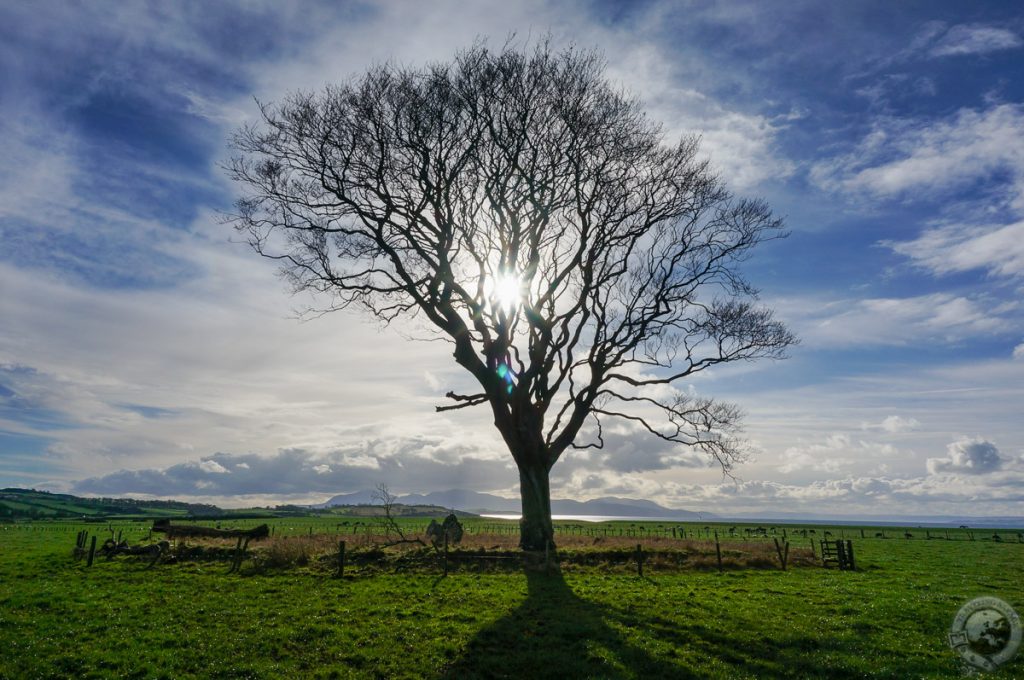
x: 934, y: 158
x: 937, y: 317
x: 212, y: 109
x: 936, y: 39
x: 741, y: 145
x: 953, y: 495
x: 896, y: 85
x: 948, y: 249
x: 797, y: 459
x: 213, y: 467
x: 894, y: 424
x: 1018, y: 351
x: 629, y: 448
x: 967, y: 456
x: 219, y: 358
x: 431, y: 380
x: 974, y: 39
x: 307, y: 474
x: 836, y: 452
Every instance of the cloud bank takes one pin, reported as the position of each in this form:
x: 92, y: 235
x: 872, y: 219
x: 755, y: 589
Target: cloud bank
x: 968, y: 456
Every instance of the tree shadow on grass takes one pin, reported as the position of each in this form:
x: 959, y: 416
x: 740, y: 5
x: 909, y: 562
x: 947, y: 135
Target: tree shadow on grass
x: 555, y: 633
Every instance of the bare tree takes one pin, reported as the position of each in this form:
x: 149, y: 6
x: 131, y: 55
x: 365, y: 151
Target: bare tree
x: 388, y: 522
x: 528, y: 212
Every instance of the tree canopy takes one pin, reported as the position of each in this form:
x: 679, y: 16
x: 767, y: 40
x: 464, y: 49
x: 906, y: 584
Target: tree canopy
x: 529, y: 211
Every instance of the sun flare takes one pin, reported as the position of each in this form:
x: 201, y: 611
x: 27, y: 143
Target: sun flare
x: 505, y: 291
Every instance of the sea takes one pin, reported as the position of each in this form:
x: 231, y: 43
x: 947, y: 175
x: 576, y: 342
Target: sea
x: 1005, y: 523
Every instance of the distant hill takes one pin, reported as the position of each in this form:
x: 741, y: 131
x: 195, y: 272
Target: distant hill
x: 29, y: 503
x: 397, y: 510
x: 482, y: 503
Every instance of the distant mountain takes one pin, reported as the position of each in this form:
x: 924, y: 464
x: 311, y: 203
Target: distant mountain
x: 365, y: 497
x: 479, y: 503
x: 460, y: 499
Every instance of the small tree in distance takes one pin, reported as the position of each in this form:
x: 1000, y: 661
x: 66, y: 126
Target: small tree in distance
x: 531, y: 214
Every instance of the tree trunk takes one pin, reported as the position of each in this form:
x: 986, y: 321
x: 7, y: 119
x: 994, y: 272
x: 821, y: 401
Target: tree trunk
x: 536, y: 532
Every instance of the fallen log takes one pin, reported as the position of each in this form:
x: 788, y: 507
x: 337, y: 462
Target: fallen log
x: 186, y: 531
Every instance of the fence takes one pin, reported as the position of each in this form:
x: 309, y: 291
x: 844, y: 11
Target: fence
x: 652, y: 547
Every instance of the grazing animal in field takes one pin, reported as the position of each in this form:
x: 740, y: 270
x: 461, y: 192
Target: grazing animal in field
x: 813, y: 531
x: 879, y: 535
x: 908, y: 535
x: 995, y: 537
x: 828, y: 534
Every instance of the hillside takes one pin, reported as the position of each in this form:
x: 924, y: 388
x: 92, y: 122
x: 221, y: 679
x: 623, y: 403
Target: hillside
x: 32, y: 504
x: 19, y: 504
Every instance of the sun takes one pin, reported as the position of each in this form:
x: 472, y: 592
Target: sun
x: 504, y: 291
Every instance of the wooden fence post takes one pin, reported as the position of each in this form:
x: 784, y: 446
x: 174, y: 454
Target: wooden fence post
x: 341, y: 558
x: 718, y: 552
x: 639, y: 560
x: 235, y: 559
x: 92, y: 551
x: 446, y: 553
x: 783, y: 556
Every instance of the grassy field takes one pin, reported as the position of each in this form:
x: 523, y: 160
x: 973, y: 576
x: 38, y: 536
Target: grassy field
x: 595, y: 618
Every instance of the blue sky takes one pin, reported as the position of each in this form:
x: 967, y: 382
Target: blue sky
x: 143, y: 352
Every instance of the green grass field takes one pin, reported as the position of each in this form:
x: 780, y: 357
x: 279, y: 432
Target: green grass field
x: 889, y: 619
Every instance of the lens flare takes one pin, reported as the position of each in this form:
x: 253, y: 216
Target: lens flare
x: 505, y: 373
